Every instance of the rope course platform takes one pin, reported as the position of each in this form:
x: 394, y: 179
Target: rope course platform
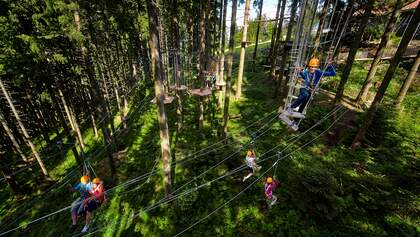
x: 220, y: 85
x: 178, y: 88
x: 168, y: 99
x: 201, y: 92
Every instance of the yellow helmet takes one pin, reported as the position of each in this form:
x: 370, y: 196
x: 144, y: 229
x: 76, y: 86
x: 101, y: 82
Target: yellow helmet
x: 314, y: 62
x: 269, y: 180
x: 84, y: 179
x: 96, y: 181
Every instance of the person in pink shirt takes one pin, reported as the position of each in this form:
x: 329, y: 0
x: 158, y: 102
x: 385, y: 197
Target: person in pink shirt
x: 269, y: 187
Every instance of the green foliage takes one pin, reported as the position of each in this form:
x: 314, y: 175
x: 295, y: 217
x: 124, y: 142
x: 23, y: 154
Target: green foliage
x: 325, y: 190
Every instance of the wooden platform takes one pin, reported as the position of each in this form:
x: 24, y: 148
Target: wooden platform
x: 201, y: 92
x: 179, y: 88
x: 168, y: 99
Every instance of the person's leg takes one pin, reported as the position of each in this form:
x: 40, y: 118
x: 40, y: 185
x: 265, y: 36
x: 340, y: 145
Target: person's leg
x: 89, y: 213
x: 302, y: 96
x: 74, y: 210
x: 247, y: 177
x: 88, y: 217
x: 273, y: 200
x: 269, y: 201
x: 73, y: 218
x: 304, y: 101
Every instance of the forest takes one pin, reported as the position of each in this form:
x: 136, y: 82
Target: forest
x: 210, y: 118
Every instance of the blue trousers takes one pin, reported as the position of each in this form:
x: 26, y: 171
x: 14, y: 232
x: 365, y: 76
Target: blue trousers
x: 302, y: 100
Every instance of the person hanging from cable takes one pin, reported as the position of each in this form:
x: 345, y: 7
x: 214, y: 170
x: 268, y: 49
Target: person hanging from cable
x: 310, y: 77
x: 96, y: 199
x: 270, y: 185
x: 251, y: 162
x: 77, y: 207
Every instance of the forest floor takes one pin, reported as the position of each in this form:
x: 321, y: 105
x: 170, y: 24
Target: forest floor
x: 326, y: 189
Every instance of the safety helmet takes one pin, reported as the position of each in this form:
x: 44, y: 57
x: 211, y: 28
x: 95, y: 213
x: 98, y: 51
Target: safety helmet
x: 269, y: 180
x: 314, y: 62
x: 96, y: 180
x: 84, y: 179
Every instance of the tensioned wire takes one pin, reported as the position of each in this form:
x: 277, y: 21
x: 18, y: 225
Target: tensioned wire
x: 45, y: 158
x: 98, y: 152
x: 292, y: 139
x: 254, y: 182
x: 128, y: 182
x: 175, y: 197
x: 124, y: 184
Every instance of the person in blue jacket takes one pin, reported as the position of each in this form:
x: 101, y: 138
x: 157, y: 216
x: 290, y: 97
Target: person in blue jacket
x: 311, y: 77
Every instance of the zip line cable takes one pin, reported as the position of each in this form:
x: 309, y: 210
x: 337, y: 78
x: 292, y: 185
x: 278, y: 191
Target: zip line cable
x: 150, y: 207
x: 98, y: 152
x: 172, y: 198
x: 127, y: 183
x: 230, y: 156
x: 74, y: 144
x: 34, y: 163
x: 250, y: 185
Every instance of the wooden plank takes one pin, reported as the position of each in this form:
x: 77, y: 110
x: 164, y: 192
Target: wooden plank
x: 201, y: 92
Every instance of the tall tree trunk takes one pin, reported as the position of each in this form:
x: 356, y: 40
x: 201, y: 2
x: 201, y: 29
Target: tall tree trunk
x: 406, y: 38
x: 10, y: 179
x: 407, y: 82
x: 98, y: 97
x: 254, y: 55
x: 367, y: 84
x: 203, y: 61
x: 123, y: 81
x: 177, y: 66
x: 285, y: 54
x: 23, y: 129
x: 277, y: 44
x: 157, y: 67
x: 274, y: 33
x: 92, y: 115
x: 70, y: 133
x: 222, y: 55
x: 70, y: 116
x: 353, y: 50
x: 242, y: 55
x: 42, y: 129
x: 13, y: 139
x: 320, y: 27
x: 229, y: 67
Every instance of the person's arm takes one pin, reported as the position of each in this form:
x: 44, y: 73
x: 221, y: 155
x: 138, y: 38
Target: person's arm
x: 74, y: 188
x: 302, y: 76
x: 329, y: 71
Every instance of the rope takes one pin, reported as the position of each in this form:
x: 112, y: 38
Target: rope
x: 228, y: 157
x: 98, y: 152
x: 250, y: 185
x: 129, y: 182
x: 325, y: 66
x: 172, y: 198
x: 58, y: 153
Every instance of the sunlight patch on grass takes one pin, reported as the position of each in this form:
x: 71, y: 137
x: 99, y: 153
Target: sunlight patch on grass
x: 351, y: 173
